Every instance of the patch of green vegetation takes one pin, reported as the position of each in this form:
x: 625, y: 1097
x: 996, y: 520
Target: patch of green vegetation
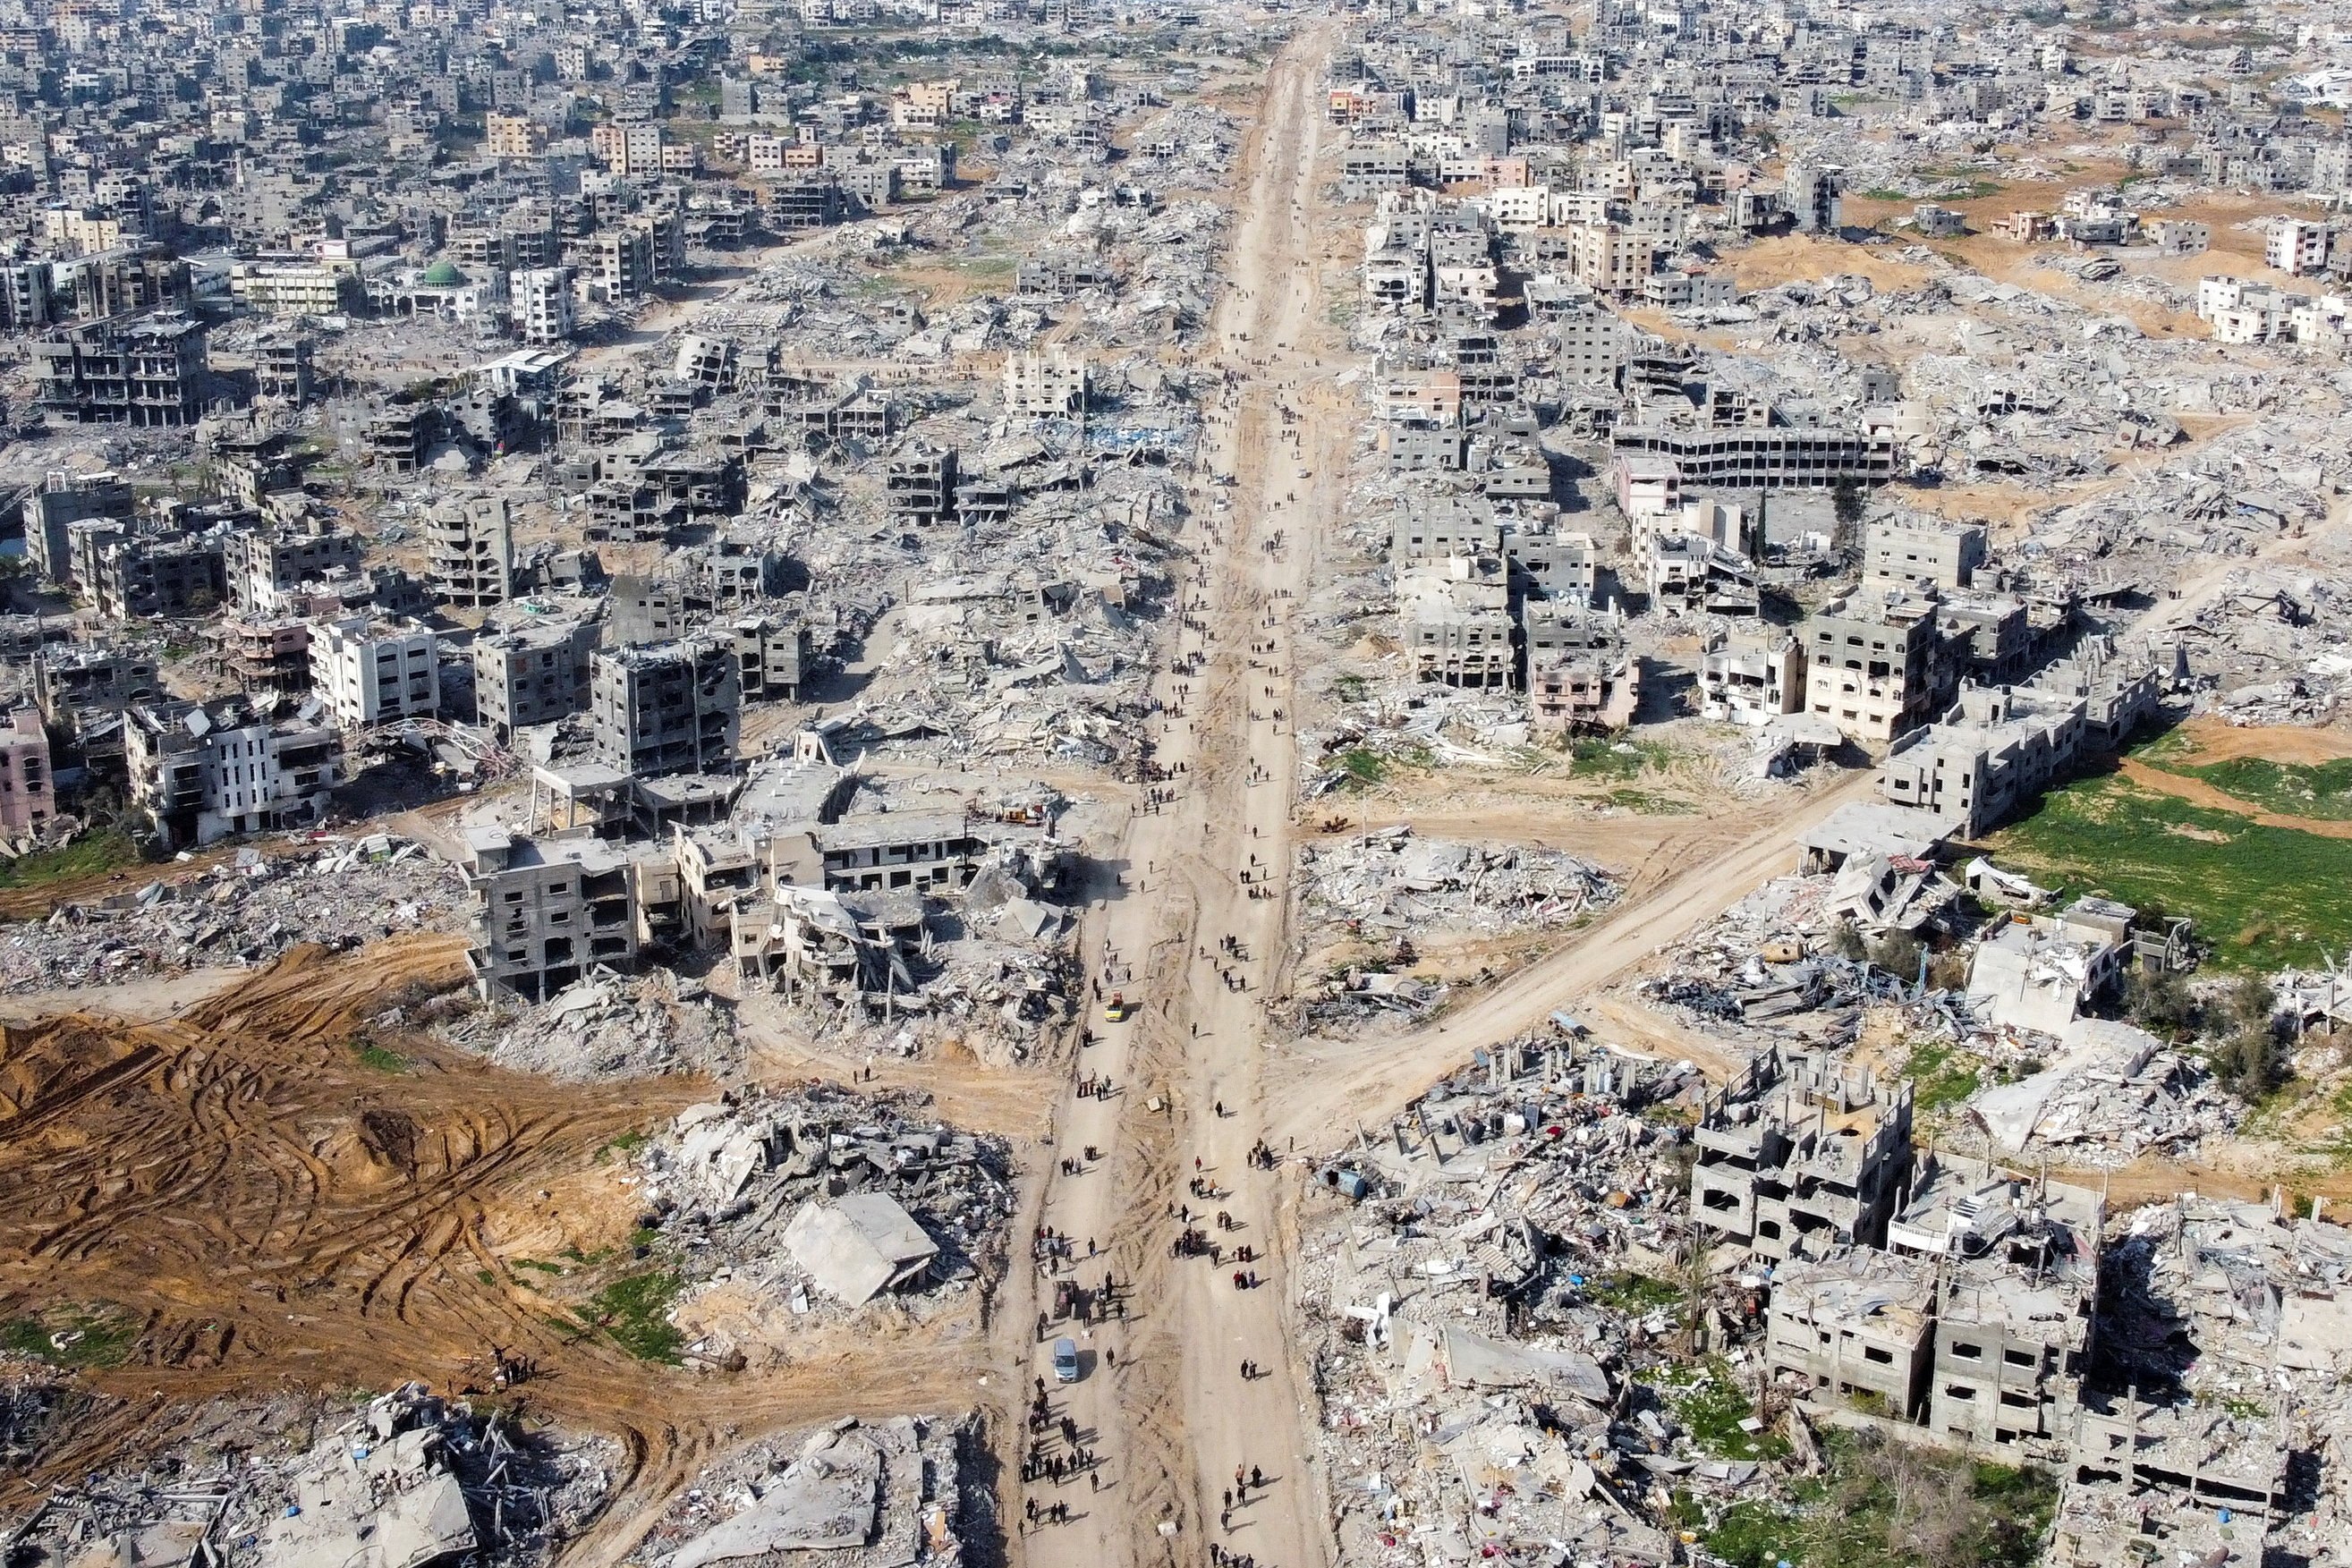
x: 1649, y: 802
x: 1882, y: 1501
x: 1883, y: 195
x: 1352, y: 688
x: 985, y: 268
x: 376, y: 1058
x: 2263, y: 897
x: 75, y: 1336
x: 1598, y: 756
x: 1709, y: 1403
x: 538, y: 1266
x: 1753, y: 1535
x: 110, y: 849
x: 625, y: 1146
x: 1363, y: 767
x: 1632, y: 1292
x: 485, y: 1277
x: 2163, y: 748
x: 2322, y: 790
x: 635, y: 1311
x: 1941, y: 1074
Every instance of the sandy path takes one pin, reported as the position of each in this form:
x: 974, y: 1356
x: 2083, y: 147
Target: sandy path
x: 1173, y: 1418
x: 2213, y: 797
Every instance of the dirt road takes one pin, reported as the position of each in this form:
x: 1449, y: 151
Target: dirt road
x: 259, y: 1198
x: 1161, y: 1403
x: 1333, y: 1084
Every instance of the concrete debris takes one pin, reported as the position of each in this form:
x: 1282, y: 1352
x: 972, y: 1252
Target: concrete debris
x: 889, y: 1494
x: 609, y: 1026
x: 826, y: 1197
x: 1495, y: 1309
x: 244, y: 910
x: 412, y: 1480
x: 1393, y: 883
x: 2113, y: 1093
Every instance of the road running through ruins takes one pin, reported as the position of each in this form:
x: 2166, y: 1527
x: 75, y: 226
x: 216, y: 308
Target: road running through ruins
x: 1163, y: 1419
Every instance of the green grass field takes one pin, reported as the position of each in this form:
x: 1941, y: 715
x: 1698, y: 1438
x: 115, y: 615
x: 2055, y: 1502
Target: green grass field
x: 108, y: 850
x: 2321, y: 791
x: 75, y: 1336
x: 2262, y: 897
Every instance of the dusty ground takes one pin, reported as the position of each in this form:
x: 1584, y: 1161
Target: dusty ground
x: 266, y: 1202
x: 2197, y: 792
x: 144, y: 1000
x: 2216, y: 741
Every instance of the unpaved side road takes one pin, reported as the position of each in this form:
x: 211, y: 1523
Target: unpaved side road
x: 1335, y: 1084
x: 1161, y: 1408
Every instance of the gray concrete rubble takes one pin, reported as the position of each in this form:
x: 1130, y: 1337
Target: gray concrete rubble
x: 824, y: 1199
x: 1375, y: 904
x: 246, y: 909
x: 1394, y: 882
x: 2110, y: 1094
x: 1485, y: 1346
x: 887, y: 1494
x: 608, y: 1025
x: 406, y: 1480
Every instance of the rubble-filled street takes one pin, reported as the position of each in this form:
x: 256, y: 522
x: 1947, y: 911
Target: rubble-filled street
x: 1176, y: 785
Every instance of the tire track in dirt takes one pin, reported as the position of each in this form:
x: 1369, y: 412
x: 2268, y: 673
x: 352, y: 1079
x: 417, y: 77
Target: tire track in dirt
x: 268, y: 1207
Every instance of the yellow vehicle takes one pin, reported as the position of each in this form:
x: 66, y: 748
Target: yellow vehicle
x: 1116, y: 1010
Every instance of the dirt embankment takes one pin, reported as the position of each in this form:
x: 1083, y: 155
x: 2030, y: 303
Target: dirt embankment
x: 275, y: 1188
x: 2211, y: 741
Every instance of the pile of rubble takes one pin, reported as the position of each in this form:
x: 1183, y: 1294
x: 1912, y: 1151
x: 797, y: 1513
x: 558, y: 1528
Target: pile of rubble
x: 1495, y: 1312
x: 851, y: 1495
x: 821, y: 1200
x: 1763, y: 971
x: 412, y: 1478
x: 2232, y: 1320
x: 2112, y: 1094
x: 246, y: 910
x: 609, y: 1026
x: 1392, y: 882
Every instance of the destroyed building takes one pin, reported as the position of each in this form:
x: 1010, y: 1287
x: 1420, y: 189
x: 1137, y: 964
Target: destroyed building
x: 205, y: 771
x: 1856, y: 1324
x: 671, y: 708
x: 469, y: 556
x: 551, y: 910
x: 1800, y: 1155
x: 1877, y: 670
x: 2017, y: 1283
x: 533, y: 674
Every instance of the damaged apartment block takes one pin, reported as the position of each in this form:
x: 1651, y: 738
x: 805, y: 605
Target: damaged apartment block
x: 671, y: 708
x: 1800, y: 1155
